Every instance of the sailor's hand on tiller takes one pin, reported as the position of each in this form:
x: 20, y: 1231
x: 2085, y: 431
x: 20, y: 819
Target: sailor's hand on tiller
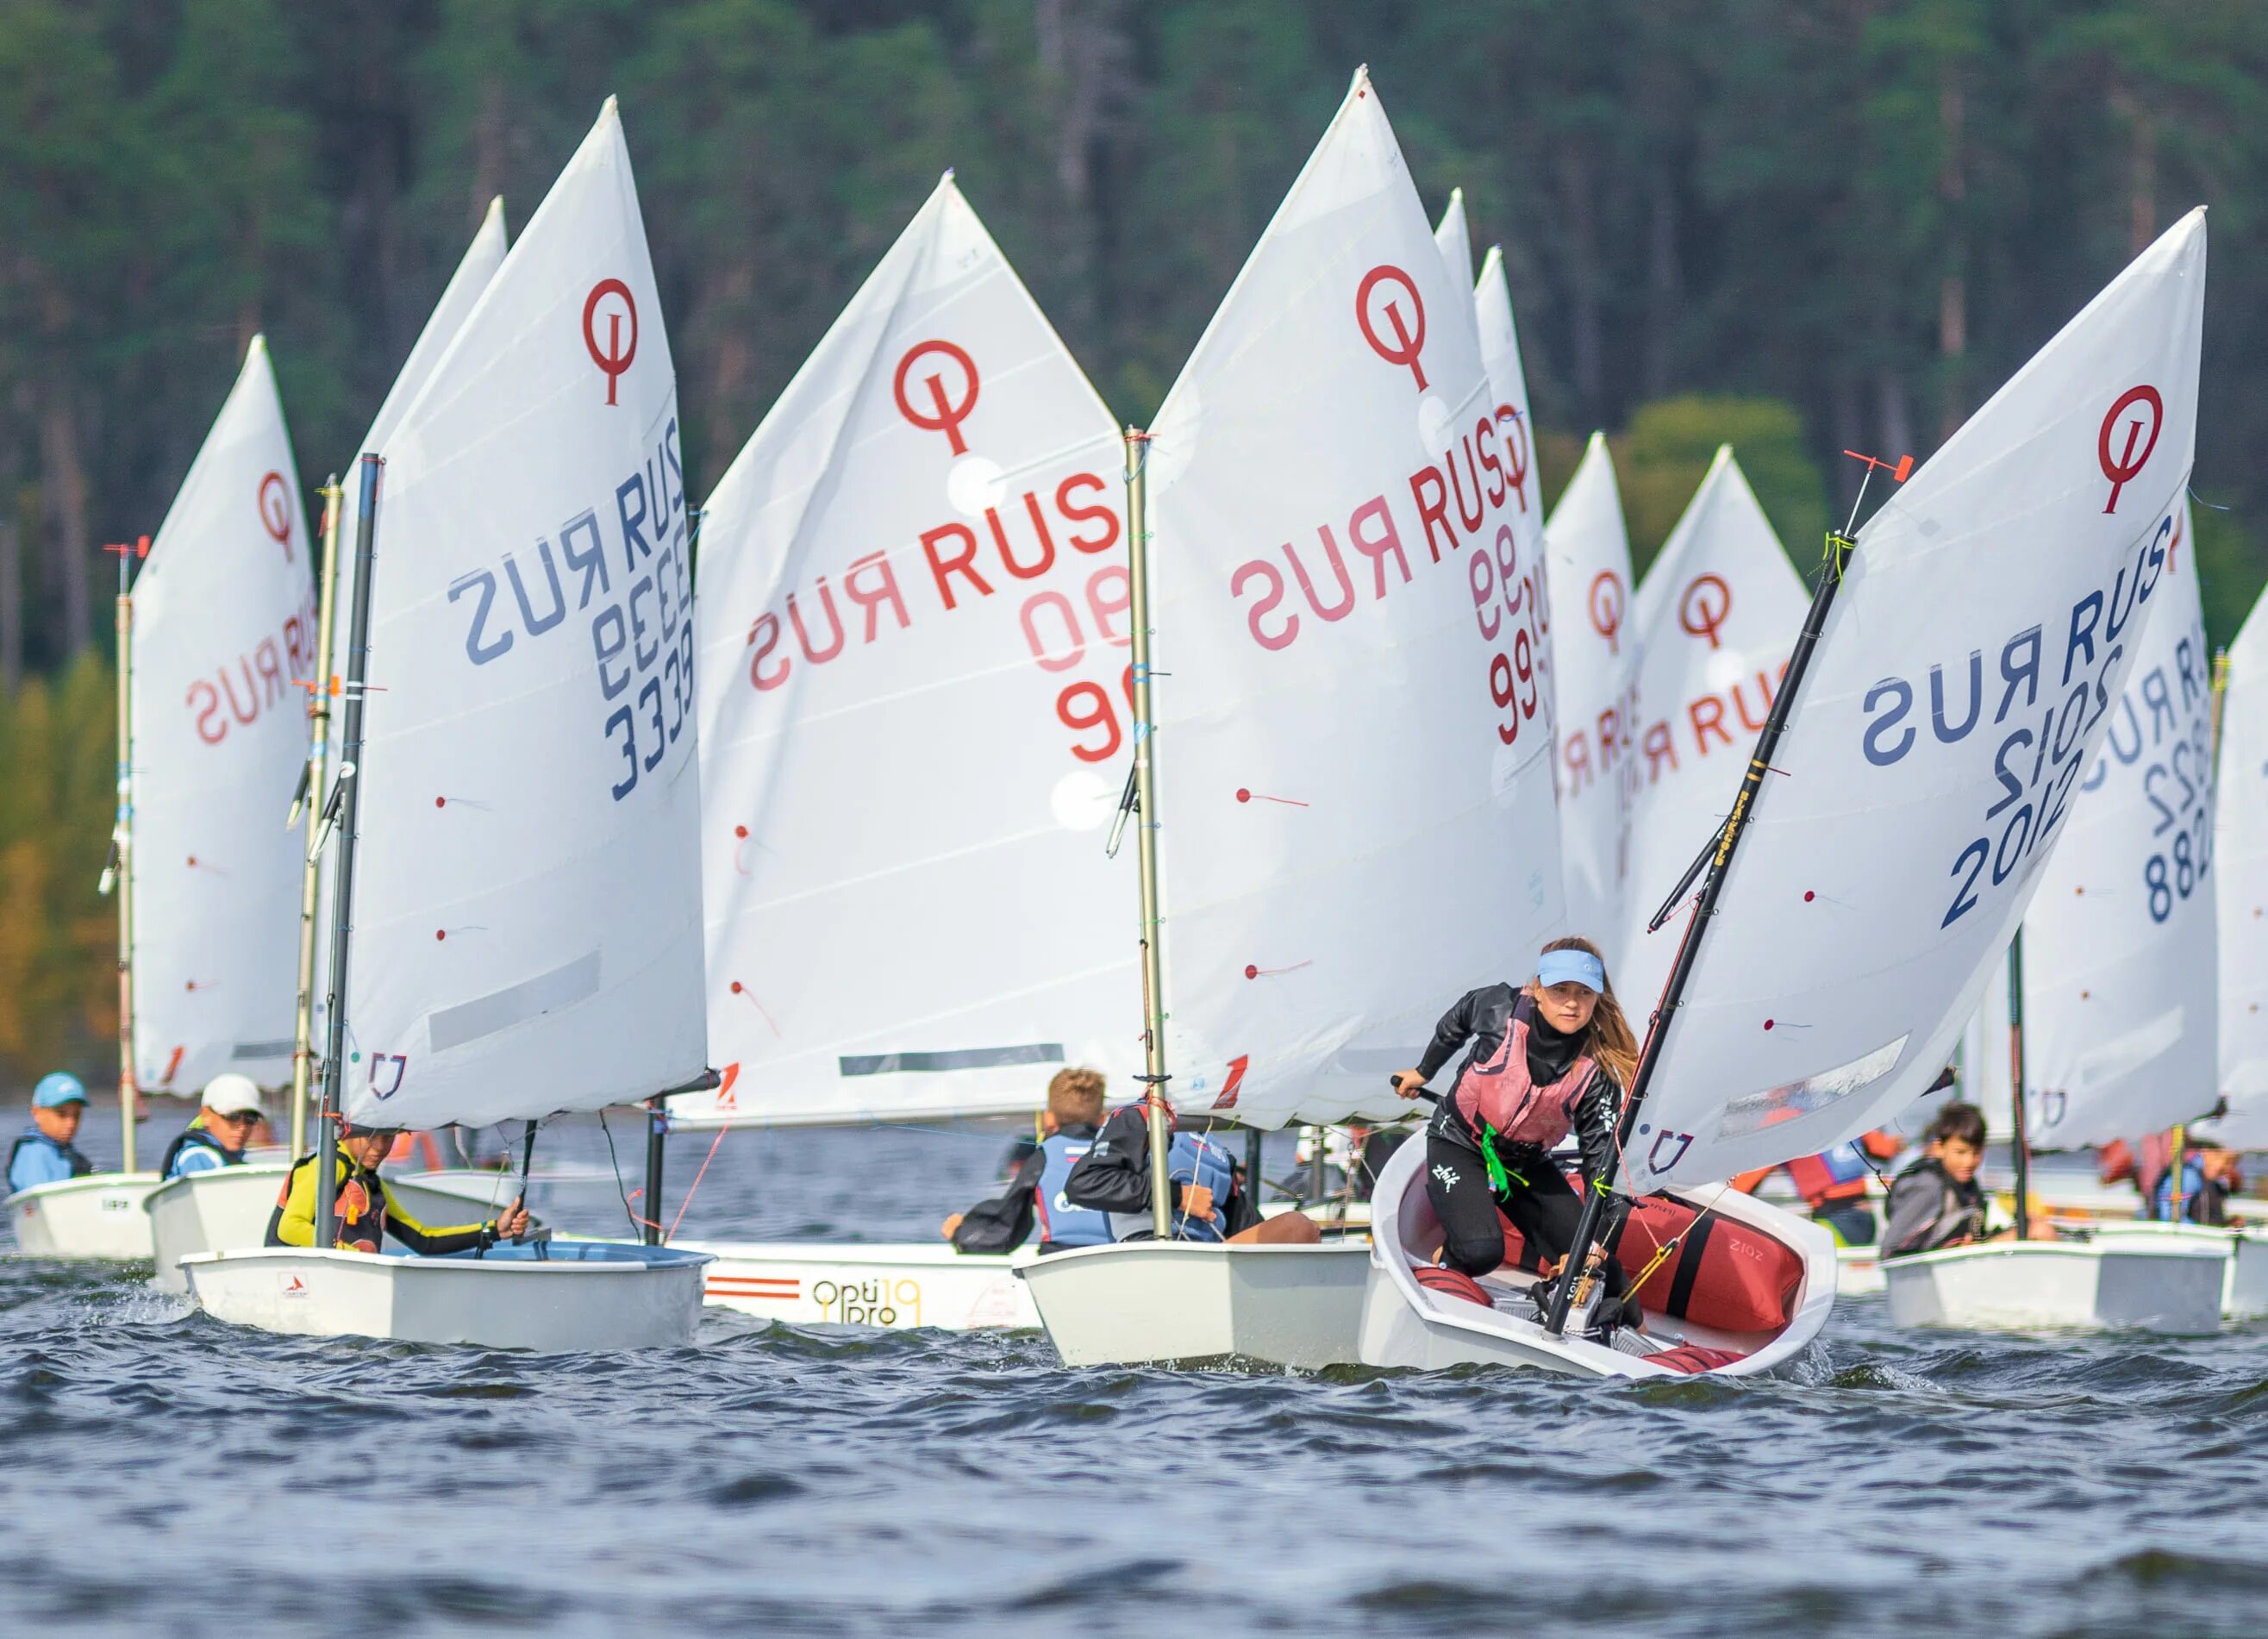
x: 952, y: 1224
x: 1409, y: 1083
x: 513, y: 1223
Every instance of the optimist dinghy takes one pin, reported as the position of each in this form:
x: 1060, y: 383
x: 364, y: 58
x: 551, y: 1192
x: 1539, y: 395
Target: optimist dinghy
x: 98, y: 1217
x: 2113, y: 1035
x: 214, y: 631
x: 1875, y: 864
x: 912, y: 628
x: 1745, y: 1287
x: 1348, y: 609
x: 227, y: 1210
x: 516, y: 914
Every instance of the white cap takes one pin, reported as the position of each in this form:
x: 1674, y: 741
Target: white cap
x: 231, y: 1093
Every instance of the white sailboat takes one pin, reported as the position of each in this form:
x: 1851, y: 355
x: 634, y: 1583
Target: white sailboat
x: 218, y: 629
x: 1865, y: 880
x: 1714, y: 620
x: 1595, y: 650
x: 229, y: 1207
x: 1353, y: 711
x: 516, y: 915
x: 2119, y: 1037
x: 912, y: 625
x: 2240, y: 870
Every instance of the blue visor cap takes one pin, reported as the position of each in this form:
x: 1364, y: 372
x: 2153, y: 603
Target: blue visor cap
x: 57, y: 1089
x: 1577, y: 967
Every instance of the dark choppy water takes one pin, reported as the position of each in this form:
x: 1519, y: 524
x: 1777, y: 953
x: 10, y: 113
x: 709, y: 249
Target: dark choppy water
x: 162, y: 1474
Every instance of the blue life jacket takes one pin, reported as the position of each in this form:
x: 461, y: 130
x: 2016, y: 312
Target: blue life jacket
x: 195, y: 1136
x: 52, y: 1153
x: 1190, y: 1160
x: 1060, y: 1223
x: 2195, y: 1187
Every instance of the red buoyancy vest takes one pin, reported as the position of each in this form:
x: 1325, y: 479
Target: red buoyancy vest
x: 1840, y: 1173
x: 1725, y: 1275
x: 1501, y: 1094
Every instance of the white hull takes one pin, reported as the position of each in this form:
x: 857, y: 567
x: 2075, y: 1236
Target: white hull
x: 1405, y: 1323
x: 227, y: 1211
x: 1858, y: 1271
x: 2244, y: 1288
x: 97, y: 1216
x: 891, y: 1287
x: 1184, y: 1301
x: 2172, y: 1286
x: 583, y: 1295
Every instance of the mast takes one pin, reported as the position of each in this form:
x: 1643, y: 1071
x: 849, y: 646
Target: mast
x: 2020, y: 1143
x: 1840, y: 545
x: 656, y: 1129
x: 2181, y: 1129
x: 311, y: 883
x: 347, y: 801
x: 120, y: 868
x: 1145, y: 840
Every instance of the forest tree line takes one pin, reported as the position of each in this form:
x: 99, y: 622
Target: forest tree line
x: 1797, y: 225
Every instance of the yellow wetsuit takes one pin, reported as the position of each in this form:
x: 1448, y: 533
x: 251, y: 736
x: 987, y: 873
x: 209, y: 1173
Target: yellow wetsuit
x: 366, y: 1214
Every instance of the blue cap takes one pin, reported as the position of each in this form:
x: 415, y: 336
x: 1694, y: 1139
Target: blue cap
x: 1580, y: 967
x: 57, y: 1089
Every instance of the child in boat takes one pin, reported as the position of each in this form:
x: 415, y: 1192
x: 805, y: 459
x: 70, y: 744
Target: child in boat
x: 2210, y: 1175
x: 1936, y: 1203
x: 1210, y: 1198
x: 46, y: 1152
x: 364, y: 1212
x: 1547, y: 1058
x: 1034, y: 1193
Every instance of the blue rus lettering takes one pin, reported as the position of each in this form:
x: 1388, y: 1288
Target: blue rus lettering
x: 580, y: 544
x: 480, y: 653
x: 609, y: 649
x: 2157, y: 696
x: 2019, y: 663
x: 537, y: 625
x: 646, y: 643
x: 1946, y: 733
x: 1900, y: 694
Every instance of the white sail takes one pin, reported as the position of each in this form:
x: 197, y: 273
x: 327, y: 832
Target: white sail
x: 1500, y: 354
x: 1594, y: 666
x: 1454, y: 239
x: 913, y: 636
x: 2121, y: 1030
x: 481, y: 260
x: 1353, y: 690
x: 223, y: 632
x: 2240, y: 862
x: 1984, y: 1061
x: 526, y: 898
x: 478, y: 265
x: 1897, y: 842
x: 1714, y: 618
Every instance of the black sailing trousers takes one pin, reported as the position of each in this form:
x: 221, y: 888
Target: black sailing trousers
x: 1544, y: 1209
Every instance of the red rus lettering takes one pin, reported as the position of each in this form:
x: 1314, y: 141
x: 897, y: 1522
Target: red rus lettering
x: 962, y: 562
x: 881, y: 589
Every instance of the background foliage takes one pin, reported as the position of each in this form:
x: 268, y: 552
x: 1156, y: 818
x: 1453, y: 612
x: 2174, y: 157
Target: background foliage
x: 1799, y: 225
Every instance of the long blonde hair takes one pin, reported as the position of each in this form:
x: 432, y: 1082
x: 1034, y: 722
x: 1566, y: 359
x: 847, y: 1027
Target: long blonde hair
x: 1607, y: 1038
